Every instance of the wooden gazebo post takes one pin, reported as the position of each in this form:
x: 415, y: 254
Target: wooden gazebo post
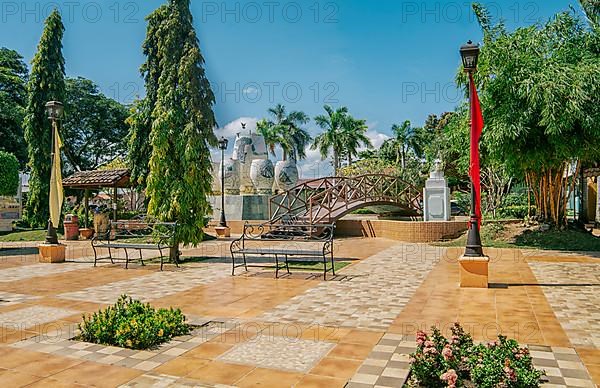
x: 114, y: 203
x: 86, y: 205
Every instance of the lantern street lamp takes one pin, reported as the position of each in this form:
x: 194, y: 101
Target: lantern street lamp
x: 54, y: 109
x: 223, y: 146
x: 470, y: 54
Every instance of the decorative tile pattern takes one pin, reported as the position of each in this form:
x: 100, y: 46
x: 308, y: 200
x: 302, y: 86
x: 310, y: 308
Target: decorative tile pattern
x: 573, y: 291
x: 145, y: 360
x: 34, y: 270
x: 9, y: 298
x: 162, y: 380
x: 376, y: 291
x: 283, y: 353
x: 388, y: 365
x: 32, y: 316
x: 153, y: 286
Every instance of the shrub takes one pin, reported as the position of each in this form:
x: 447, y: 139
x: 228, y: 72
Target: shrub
x: 132, y: 324
x: 458, y: 362
x: 9, y: 174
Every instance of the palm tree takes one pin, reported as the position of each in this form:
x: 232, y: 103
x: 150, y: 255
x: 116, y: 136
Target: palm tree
x: 354, y: 136
x: 331, y: 140
x: 286, y: 131
x: 405, y: 139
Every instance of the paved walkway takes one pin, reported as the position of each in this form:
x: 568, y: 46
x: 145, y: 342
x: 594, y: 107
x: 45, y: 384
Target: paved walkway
x: 355, y: 330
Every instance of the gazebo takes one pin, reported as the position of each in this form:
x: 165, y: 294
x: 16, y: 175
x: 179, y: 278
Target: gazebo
x: 97, y: 180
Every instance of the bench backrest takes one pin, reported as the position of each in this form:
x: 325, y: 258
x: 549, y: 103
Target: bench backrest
x: 140, y: 231
x: 289, y: 232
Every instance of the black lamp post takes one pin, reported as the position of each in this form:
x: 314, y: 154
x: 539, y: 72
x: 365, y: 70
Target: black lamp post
x: 223, y: 146
x: 54, y: 109
x: 470, y: 54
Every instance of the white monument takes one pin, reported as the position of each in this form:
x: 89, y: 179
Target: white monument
x: 436, y: 196
x: 250, y: 179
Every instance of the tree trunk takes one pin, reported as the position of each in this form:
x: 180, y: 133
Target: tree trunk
x: 336, y: 162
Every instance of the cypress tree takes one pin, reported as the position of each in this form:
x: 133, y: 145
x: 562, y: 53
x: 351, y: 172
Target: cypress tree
x: 46, y: 83
x: 182, y: 122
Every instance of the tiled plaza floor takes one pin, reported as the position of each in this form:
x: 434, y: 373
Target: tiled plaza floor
x: 297, y: 331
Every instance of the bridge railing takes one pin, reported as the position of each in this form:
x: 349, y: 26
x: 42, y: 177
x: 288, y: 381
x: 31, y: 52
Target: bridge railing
x: 325, y: 199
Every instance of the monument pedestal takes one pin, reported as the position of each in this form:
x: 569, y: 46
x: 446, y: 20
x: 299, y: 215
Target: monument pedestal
x: 223, y: 231
x: 242, y: 207
x: 52, y: 253
x: 436, y: 196
x: 474, y: 271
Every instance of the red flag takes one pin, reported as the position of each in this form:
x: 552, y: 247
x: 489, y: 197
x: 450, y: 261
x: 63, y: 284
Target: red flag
x: 476, y: 129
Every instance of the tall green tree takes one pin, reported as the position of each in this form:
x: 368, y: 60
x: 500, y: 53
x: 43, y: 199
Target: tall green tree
x: 354, y: 136
x: 140, y: 119
x: 46, y: 83
x: 331, y: 140
x: 182, y: 122
x: 285, y: 130
x: 540, y: 91
x: 13, y: 98
x: 9, y: 174
x: 94, y: 130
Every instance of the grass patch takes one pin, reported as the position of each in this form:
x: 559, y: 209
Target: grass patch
x: 298, y: 265
x: 497, y: 235
x: 27, y: 235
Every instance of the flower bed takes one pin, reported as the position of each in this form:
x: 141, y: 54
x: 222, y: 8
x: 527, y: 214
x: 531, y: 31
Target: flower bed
x: 459, y: 362
x: 132, y: 324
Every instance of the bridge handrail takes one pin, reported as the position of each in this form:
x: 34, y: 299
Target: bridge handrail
x: 320, y: 188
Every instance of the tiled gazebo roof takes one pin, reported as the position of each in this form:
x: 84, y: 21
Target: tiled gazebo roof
x: 98, y: 179
x: 591, y: 172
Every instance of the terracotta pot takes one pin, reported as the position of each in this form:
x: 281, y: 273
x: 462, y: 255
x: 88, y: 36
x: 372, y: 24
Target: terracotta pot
x: 86, y: 233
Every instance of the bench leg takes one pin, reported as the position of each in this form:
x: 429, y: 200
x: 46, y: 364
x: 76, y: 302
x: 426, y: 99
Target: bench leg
x: 324, y: 267
x: 287, y: 266
x: 141, y: 258
x: 232, y: 264
x: 126, y: 259
x: 95, y: 255
x: 245, y: 263
x: 332, y: 264
x: 161, y: 258
x: 110, y: 256
x: 276, y: 266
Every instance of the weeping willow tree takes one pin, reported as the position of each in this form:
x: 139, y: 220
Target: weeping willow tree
x: 172, y: 128
x: 540, y: 90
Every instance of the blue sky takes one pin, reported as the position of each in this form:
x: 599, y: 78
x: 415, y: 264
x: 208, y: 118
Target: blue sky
x: 387, y: 60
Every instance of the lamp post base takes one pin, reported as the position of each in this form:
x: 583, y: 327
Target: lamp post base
x: 51, y: 236
x: 474, y: 271
x: 52, y: 253
x: 223, y: 231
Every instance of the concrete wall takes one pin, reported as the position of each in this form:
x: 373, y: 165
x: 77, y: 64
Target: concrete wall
x: 408, y: 231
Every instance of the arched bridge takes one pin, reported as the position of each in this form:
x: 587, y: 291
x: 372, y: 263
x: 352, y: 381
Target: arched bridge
x: 326, y: 200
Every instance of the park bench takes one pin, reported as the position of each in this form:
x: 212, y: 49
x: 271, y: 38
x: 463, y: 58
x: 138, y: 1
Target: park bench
x: 135, y: 235
x: 296, y: 242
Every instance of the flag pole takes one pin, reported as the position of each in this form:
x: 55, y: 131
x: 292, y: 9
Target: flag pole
x: 473, y: 248
x: 51, y: 236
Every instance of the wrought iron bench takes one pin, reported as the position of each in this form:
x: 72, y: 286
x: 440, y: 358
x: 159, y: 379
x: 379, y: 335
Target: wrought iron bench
x: 296, y: 241
x: 135, y: 235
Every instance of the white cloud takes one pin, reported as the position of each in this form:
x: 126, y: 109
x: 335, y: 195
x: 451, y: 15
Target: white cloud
x: 377, y: 138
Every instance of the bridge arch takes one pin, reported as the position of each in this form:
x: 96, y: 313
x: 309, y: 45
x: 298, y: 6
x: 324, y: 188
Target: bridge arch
x: 325, y: 200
